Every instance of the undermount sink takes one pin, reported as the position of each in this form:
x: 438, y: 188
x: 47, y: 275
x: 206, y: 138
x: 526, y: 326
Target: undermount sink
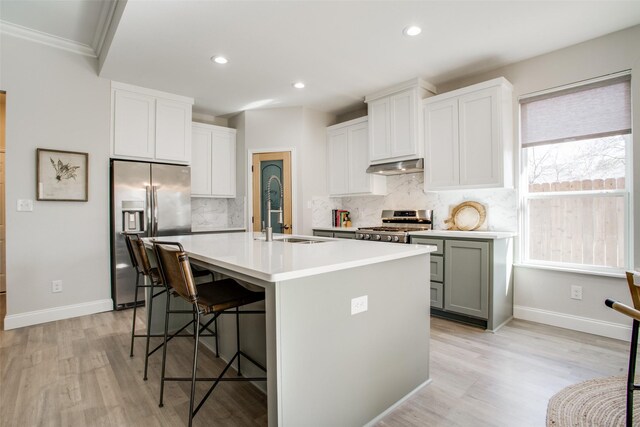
x: 293, y: 240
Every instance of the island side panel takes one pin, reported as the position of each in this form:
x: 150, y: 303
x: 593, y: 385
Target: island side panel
x: 340, y: 369
x: 501, y: 292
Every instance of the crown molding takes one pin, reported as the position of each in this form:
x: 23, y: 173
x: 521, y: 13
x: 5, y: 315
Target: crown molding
x: 46, y: 39
x: 104, y: 22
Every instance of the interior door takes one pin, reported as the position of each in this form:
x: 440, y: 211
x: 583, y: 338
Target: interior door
x: 264, y: 166
x: 3, y: 281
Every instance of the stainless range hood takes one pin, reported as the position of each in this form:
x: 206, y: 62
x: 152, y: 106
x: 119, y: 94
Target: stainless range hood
x: 397, y: 168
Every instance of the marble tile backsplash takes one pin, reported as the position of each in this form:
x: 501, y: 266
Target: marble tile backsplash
x: 236, y: 211
x: 406, y: 192
x: 216, y: 213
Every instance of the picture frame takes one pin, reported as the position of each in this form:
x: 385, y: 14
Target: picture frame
x: 62, y: 175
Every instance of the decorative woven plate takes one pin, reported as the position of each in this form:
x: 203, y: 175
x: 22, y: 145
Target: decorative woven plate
x: 467, y: 216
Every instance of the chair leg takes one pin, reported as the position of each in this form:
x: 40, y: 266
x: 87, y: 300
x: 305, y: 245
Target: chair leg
x: 164, y: 347
x: 149, y: 315
x: 632, y: 371
x: 135, y: 306
x: 215, y: 329
x: 195, y: 363
x: 238, y: 338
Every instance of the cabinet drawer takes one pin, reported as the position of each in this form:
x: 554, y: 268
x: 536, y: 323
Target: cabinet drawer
x: 344, y: 235
x: 439, y: 243
x: 436, y: 295
x: 322, y: 233
x: 437, y: 268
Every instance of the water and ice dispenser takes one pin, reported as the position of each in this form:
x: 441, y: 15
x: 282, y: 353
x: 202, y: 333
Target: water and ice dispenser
x: 133, y: 216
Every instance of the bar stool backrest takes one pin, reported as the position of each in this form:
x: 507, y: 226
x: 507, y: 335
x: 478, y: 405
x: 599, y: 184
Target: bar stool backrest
x: 635, y: 291
x: 140, y: 253
x: 175, y: 270
x: 128, y: 237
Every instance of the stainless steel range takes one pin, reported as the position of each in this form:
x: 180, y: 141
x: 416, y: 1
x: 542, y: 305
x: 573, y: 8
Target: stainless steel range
x: 397, y: 225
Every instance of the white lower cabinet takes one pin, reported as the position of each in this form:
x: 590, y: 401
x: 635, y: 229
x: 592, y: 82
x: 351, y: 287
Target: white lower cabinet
x: 213, y: 165
x: 348, y: 159
x: 468, y: 137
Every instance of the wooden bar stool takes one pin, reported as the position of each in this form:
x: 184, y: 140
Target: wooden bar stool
x: 634, y: 313
x: 206, y: 299
x: 143, y: 268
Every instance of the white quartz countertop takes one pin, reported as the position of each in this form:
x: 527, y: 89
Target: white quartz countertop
x: 278, y: 261
x: 205, y: 229
x: 491, y: 235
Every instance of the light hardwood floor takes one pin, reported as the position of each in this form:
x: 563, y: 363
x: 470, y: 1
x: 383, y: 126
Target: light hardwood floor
x: 3, y: 311
x: 77, y: 372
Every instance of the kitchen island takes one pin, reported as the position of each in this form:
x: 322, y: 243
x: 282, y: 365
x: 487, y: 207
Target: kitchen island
x: 327, y: 366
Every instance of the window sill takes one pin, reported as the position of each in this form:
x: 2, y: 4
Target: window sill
x: 618, y: 274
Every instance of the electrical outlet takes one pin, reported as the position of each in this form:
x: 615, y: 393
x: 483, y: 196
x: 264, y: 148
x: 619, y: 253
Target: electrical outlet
x: 24, y: 205
x: 56, y: 286
x: 359, y: 305
x: 576, y: 292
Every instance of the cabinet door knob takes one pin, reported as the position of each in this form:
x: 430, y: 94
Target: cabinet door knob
x: 286, y: 226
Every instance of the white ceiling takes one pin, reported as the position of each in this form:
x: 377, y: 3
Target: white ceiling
x: 342, y: 50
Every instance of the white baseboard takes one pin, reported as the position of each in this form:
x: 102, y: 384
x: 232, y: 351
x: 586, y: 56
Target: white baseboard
x: 13, y: 321
x: 576, y: 323
x: 398, y: 403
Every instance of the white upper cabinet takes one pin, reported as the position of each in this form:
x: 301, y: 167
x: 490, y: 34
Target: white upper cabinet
x: 134, y: 122
x: 468, y: 137
x: 395, y: 127
x: 150, y: 125
x: 201, y: 161
x: 348, y: 158
x: 173, y: 130
x: 213, y: 169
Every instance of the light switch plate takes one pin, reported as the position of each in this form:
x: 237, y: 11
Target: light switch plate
x: 24, y: 205
x: 359, y: 304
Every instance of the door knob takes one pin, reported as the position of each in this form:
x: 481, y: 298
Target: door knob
x: 286, y: 226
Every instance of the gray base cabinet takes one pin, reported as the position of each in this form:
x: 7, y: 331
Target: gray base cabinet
x: 470, y: 280
x: 335, y: 234
x: 467, y: 277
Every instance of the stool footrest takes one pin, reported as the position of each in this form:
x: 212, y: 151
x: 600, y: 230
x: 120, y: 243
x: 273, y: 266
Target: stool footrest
x: 216, y: 379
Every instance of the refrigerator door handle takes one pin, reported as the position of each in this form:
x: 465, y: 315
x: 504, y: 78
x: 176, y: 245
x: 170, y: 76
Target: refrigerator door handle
x: 154, y: 230
x: 147, y: 222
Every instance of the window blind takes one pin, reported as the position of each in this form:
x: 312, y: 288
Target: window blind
x: 590, y: 111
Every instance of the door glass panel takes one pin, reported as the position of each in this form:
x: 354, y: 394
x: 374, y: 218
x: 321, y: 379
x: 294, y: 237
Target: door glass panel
x: 268, y: 169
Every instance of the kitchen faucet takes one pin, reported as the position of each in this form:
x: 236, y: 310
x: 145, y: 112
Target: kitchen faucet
x: 268, y: 229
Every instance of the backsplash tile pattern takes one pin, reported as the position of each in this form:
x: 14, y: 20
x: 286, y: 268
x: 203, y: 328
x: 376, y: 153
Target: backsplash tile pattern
x: 236, y: 211
x: 406, y: 192
x: 209, y: 213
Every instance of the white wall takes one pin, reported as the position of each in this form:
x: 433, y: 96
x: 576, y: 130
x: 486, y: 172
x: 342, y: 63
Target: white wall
x: 55, y: 100
x: 282, y: 129
x: 543, y: 295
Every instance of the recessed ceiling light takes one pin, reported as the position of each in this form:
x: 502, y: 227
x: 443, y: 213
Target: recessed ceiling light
x: 219, y: 59
x: 412, y: 31
x: 298, y: 85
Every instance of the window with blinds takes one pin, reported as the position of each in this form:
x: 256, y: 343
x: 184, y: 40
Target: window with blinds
x: 575, y: 145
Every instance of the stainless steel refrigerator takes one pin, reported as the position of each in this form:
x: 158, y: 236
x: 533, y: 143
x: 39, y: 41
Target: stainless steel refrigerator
x: 150, y: 199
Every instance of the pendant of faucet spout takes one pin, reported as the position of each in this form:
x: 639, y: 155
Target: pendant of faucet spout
x: 280, y: 211
x: 271, y: 178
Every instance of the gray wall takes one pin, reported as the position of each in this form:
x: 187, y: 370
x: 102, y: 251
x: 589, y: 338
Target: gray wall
x: 55, y: 100
x: 543, y: 295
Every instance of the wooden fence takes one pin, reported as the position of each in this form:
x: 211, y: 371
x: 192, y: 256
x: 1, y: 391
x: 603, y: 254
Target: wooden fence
x: 580, y: 229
